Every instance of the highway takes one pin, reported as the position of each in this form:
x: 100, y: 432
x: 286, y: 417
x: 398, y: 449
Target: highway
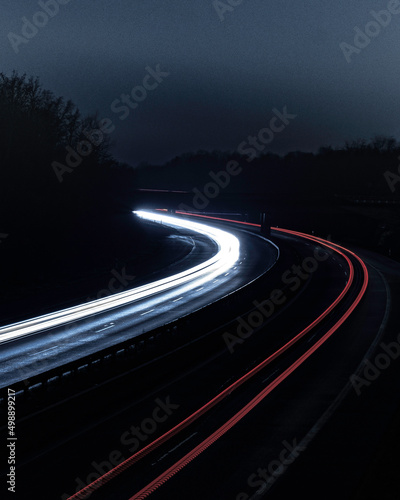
x: 276, y: 415
x: 278, y: 376
x: 216, y: 266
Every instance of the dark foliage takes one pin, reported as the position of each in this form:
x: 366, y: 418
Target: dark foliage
x: 51, y: 223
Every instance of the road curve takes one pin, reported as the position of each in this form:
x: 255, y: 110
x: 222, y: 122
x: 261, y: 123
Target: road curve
x: 226, y: 257
x: 31, y: 347
x: 206, y: 443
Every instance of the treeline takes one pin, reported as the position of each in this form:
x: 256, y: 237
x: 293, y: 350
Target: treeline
x: 38, y: 132
x: 350, y: 192
x: 359, y: 168
x: 60, y: 190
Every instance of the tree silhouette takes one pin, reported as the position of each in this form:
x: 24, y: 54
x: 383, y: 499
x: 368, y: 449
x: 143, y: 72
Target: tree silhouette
x: 36, y: 128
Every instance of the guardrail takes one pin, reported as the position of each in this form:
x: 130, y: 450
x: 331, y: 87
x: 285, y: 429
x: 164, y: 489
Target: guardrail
x: 134, y: 353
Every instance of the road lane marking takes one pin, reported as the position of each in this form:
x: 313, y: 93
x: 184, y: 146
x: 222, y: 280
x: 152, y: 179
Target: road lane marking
x: 40, y: 352
x: 105, y: 328
x: 175, y: 448
x: 270, y: 376
x: 147, y: 312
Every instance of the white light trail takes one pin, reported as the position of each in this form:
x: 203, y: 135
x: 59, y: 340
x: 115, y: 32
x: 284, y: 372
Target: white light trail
x: 227, y: 255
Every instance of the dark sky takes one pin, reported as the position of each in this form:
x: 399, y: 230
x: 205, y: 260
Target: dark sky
x: 225, y: 77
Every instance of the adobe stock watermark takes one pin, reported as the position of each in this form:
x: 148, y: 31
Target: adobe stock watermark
x: 132, y: 439
x: 392, y: 178
x: 265, y: 477
x: 30, y: 28
x: 372, y: 29
x: 381, y: 362
x: 118, y: 283
x: 122, y: 107
x: 127, y: 102
x: 250, y: 148
x: 228, y: 6
x: 292, y: 277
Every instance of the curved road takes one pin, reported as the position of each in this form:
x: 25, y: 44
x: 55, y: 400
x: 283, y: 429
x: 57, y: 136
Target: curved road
x: 292, y: 372
x: 31, y: 347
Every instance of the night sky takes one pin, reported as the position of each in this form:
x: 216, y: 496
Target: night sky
x: 225, y: 76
